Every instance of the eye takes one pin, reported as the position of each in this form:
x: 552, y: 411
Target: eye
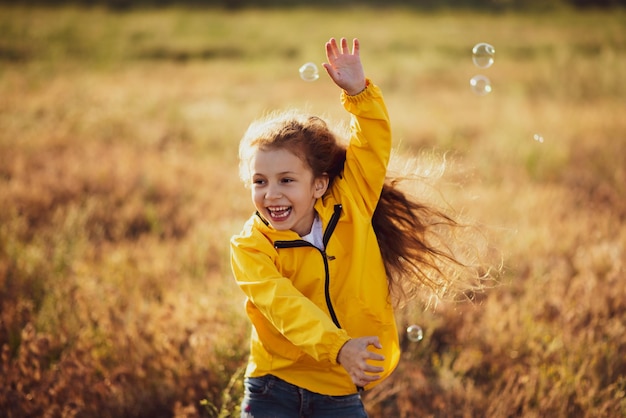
x: 287, y: 180
x: 258, y: 182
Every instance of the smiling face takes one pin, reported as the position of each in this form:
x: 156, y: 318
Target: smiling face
x: 284, y: 190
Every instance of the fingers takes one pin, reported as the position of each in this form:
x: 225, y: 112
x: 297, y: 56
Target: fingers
x: 365, y: 380
x: 343, y: 67
x: 344, y: 46
x: 366, y: 375
x: 362, y: 379
x: 374, y: 341
x: 369, y: 368
x: 356, y: 46
x: 333, y: 50
x: 356, y: 360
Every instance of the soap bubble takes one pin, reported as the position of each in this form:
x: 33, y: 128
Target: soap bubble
x: 538, y: 138
x: 309, y: 72
x: 414, y: 333
x: 481, y: 85
x: 482, y: 55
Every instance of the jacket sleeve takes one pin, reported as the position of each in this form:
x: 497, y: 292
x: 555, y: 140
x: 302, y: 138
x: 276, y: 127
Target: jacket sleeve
x: 369, y: 150
x: 285, y: 309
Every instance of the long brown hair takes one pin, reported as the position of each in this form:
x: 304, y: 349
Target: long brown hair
x: 415, y: 238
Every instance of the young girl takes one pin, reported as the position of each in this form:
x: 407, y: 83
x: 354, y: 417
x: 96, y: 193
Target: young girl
x: 328, y: 248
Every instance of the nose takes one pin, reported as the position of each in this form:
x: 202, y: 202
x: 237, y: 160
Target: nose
x: 273, y: 191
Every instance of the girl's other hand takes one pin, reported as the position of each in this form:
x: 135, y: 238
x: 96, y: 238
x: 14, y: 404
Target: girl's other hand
x: 344, y: 67
x: 353, y: 356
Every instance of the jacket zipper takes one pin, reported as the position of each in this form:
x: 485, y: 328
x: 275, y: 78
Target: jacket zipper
x: 326, y: 237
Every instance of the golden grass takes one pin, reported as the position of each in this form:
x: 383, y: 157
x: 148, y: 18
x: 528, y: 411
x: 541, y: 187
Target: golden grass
x: 119, y: 192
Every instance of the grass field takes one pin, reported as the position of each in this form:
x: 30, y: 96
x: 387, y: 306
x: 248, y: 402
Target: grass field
x: 119, y: 192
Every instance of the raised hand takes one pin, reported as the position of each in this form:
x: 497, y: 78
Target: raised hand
x: 344, y: 67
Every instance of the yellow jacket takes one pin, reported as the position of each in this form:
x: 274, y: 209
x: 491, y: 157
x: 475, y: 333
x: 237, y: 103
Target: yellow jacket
x: 305, y: 303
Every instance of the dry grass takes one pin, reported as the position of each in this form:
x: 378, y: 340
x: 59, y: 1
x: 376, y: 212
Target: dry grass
x: 119, y: 191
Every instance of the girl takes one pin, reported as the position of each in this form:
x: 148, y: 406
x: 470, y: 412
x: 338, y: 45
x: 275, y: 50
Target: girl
x: 328, y: 248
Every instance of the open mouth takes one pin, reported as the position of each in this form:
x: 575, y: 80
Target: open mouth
x: 279, y: 213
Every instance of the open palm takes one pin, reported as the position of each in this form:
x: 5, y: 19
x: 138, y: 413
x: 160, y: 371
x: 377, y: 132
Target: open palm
x: 344, y: 67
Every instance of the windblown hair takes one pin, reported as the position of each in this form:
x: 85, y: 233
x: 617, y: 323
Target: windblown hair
x: 416, y: 239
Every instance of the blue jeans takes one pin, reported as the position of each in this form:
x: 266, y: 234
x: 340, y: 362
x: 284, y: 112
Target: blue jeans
x: 271, y: 397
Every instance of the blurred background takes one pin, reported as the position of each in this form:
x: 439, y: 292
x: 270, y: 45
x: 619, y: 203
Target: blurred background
x: 487, y: 5
x: 119, y: 191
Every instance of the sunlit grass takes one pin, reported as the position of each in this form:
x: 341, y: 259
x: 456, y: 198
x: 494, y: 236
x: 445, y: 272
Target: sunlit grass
x: 119, y: 192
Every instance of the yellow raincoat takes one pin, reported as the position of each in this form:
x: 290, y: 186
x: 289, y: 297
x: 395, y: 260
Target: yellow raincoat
x: 305, y: 303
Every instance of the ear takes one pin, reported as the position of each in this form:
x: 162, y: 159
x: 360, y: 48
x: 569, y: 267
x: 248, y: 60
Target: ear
x: 320, y: 185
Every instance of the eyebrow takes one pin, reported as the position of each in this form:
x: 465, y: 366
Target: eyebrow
x: 283, y: 173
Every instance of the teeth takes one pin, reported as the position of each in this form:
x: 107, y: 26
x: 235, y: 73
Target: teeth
x: 278, y: 212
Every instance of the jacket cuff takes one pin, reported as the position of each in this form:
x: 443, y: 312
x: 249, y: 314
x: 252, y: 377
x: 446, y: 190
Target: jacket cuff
x: 334, y: 352
x: 359, y: 96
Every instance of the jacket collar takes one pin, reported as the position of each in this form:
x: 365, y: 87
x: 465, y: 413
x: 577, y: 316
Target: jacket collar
x: 329, y: 214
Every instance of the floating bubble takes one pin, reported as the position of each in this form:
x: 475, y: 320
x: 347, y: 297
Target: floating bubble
x: 414, y: 333
x: 309, y: 72
x: 538, y: 138
x: 481, y: 85
x: 482, y: 55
